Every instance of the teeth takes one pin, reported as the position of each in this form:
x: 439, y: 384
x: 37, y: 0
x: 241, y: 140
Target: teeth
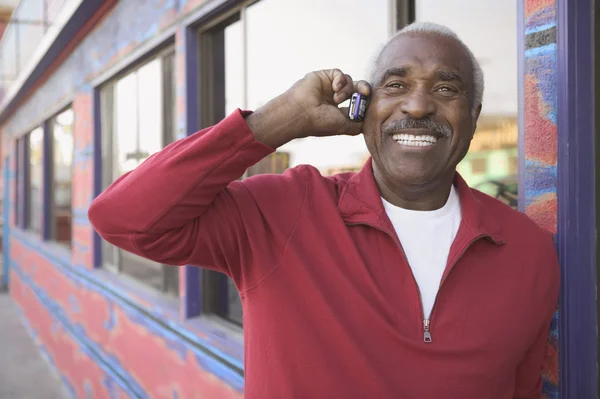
x: 409, y: 139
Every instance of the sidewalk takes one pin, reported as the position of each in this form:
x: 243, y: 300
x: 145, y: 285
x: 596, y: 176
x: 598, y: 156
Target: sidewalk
x: 23, y: 372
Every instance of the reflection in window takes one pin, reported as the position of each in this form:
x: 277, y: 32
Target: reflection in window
x: 300, y: 50
x: 489, y: 29
x: 62, y: 129
x: 35, y: 143
x: 138, y: 116
x: 248, y: 65
x: 234, y: 61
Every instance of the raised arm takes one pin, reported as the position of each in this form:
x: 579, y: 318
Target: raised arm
x: 184, y: 204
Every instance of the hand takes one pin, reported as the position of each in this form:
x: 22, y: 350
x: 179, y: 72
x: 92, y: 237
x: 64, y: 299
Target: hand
x: 309, y: 108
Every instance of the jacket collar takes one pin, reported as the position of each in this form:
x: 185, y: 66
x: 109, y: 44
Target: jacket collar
x: 360, y: 203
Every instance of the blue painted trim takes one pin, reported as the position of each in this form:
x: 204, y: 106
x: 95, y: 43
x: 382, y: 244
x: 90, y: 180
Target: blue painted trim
x: 193, y: 275
x: 214, y: 360
x: 47, y: 182
x: 533, y: 29
x: 521, y: 100
x: 31, y: 332
x: 219, y: 369
x: 576, y: 238
x: 207, y: 11
x: 129, y: 60
x: 194, y: 281
x: 108, y: 364
x: 97, y: 154
x: 547, y: 49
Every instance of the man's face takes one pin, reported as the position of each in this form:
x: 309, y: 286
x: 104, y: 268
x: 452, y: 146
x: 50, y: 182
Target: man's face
x: 419, y: 124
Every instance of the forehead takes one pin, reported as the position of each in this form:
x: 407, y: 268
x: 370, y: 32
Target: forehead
x: 426, y: 53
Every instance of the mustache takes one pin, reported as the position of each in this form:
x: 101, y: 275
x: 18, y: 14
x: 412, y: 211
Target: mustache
x: 411, y: 123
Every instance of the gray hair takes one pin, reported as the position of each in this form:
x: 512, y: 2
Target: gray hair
x: 439, y: 30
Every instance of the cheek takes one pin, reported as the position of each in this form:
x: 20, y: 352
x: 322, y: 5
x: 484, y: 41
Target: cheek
x: 462, y: 125
x: 370, y: 134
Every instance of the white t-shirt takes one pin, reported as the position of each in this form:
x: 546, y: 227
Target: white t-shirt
x: 426, y: 237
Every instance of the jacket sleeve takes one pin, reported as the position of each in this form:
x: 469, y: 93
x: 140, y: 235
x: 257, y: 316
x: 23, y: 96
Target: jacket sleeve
x: 530, y: 371
x: 184, y: 205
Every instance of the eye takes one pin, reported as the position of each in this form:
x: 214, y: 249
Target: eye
x: 395, y: 85
x: 447, y: 91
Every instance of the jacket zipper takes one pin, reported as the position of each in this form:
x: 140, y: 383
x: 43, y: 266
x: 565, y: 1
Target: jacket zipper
x: 427, y: 322
x: 427, y: 337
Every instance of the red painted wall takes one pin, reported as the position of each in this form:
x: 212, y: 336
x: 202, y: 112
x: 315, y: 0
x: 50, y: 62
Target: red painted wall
x: 100, y: 335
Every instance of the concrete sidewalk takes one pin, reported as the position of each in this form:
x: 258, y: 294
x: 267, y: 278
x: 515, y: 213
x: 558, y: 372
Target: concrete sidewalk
x: 24, y: 374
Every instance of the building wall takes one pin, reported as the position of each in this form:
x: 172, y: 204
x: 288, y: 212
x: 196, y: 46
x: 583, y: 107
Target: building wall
x: 539, y: 141
x: 107, y: 339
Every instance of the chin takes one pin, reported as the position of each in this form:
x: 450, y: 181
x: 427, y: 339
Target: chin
x: 413, y: 172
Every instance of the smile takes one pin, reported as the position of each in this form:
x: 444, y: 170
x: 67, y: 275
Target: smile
x: 415, y: 141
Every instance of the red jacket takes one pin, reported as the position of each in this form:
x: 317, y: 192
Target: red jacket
x: 331, y: 309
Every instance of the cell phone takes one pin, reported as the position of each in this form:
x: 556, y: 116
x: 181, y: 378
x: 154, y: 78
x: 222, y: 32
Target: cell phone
x: 358, y: 107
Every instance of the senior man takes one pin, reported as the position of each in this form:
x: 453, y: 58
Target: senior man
x: 395, y: 282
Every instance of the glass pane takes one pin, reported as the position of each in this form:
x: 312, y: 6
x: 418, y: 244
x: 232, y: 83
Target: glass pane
x: 9, y: 55
x: 300, y: 48
x: 150, y: 111
x: 126, y: 114
x: 234, y: 308
x: 107, y: 122
x: 234, y: 68
x: 53, y: 8
x: 489, y: 29
x: 108, y: 254
x: 138, y: 133
x: 170, y: 99
x: 36, y: 152
x: 150, y: 273
x: 63, y: 176
x: 171, y: 279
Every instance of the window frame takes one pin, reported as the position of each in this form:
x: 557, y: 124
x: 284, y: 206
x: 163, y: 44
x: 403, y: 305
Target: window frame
x: 27, y: 195
x: 169, y: 274
x: 50, y: 205
x: 213, y: 286
x: 18, y: 184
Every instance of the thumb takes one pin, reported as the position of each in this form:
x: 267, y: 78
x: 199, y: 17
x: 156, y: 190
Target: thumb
x: 350, y: 127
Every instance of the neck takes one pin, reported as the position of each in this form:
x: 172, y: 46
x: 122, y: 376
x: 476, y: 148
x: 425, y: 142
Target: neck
x: 417, y: 197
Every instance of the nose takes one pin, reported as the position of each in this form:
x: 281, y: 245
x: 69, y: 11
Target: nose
x: 418, y: 104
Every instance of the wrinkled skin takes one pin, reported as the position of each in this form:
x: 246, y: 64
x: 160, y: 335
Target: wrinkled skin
x: 423, y: 77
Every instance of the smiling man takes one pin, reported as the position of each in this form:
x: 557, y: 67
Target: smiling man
x: 395, y: 282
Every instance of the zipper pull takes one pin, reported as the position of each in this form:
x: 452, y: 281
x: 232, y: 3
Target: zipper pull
x: 426, y: 333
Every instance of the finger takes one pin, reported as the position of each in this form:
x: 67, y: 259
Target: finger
x: 345, y: 91
x: 363, y: 87
x: 338, y: 80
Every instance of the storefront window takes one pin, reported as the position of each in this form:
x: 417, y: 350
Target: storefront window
x: 36, y: 178
x: 62, y: 176
x: 138, y: 116
x: 297, y: 50
x: 247, y: 64
x: 491, y: 164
